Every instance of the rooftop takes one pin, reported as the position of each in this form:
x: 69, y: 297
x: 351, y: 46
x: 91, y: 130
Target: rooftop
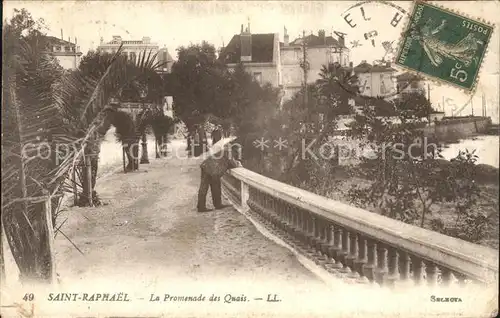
x: 52, y: 40
x: 118, y: 40
x: 408, y: 77
x: 365, y: 67
x: 262, y: 49
x: 315, y: 40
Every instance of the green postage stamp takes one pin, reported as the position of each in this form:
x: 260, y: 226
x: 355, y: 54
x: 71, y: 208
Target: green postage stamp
x: 444, y: 45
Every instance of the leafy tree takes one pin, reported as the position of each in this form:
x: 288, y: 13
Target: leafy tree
x: 199, y: 84
x: 407, y: 178
x: 414, y: 105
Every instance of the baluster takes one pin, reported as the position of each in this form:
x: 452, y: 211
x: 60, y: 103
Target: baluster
x: 404, y: 268
x: 393, y: 274
x: 320, y: 225
x: 315, y: 233
x: 336, y: 248
x: 262, y: 202
x: 322, y: 244
x: 308, y: 228
x: 268, y: 210
x: 262, y: 214
x: 369, y: 268
x: 416, y: 264
x: 311, y: 242
x: 284, y: 220
x: 272, y: 211
x: 301, y: 228
x: 362, y: 259
x: 461, y: 279
x: 286, y: 216
x: 279, y: 214
x: 345, y: 251
x: 325, y: 237
x: 446, y: 277
x: 353, y: 255
x: 431, y: 271
x: 381, y: 271
x: 293, y: 226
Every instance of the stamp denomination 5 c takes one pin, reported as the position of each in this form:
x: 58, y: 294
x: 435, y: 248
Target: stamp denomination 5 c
x: 444, y: 45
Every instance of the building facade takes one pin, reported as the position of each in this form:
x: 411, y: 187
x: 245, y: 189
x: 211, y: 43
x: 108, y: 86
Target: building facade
x: 165, y: 59
x: 410, y: 83
x: 133, y: 49
x: 259, y: 54
x: 318, y: 50
x: 68, y: 54
x: 376, y: 80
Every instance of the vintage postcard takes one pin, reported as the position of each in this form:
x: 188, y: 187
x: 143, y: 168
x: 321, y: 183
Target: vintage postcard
x: 250, y: 159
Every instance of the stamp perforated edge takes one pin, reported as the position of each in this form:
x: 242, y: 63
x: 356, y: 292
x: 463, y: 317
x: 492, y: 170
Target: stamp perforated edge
x: 438, y: 81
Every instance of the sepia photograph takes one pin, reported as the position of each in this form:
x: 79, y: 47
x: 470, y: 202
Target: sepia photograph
x: 250, y: 158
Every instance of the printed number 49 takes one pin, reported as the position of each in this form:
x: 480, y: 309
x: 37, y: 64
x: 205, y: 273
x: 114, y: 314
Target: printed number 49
x: 29, y: 297
x: 458, y: 74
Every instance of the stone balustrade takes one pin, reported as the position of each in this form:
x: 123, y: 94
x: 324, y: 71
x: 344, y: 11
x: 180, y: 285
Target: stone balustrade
x: 355, y: 244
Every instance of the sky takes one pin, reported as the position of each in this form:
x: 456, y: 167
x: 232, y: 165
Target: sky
x: 174, y: 23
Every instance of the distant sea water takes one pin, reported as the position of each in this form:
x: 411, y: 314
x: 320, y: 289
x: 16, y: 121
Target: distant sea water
x: 487, y: 149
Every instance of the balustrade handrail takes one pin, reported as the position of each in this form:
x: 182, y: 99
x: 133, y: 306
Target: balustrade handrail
x: 473, y: 260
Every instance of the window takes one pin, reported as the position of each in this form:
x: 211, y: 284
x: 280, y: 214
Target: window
x: 57, y: 48
x: 67, y: 49
x: 258, y: 77
x: 132, y: 56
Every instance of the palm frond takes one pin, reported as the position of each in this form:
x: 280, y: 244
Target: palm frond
x: 45, y: 107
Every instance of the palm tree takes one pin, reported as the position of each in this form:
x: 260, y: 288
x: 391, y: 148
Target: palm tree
x: 336, y: 86
x: 43, y: 108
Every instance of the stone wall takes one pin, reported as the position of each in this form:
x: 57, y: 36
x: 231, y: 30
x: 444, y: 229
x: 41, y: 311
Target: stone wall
x: 458, y: 128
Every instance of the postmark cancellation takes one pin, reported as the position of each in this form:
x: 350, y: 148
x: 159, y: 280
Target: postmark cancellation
x: 444, y: 45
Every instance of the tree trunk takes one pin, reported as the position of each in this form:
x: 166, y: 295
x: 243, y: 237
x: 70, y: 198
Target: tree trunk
x: 2, y: 262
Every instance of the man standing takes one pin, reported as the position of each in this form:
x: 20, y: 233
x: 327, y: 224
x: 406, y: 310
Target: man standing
x: 212, y: 170
x: 216, y: 134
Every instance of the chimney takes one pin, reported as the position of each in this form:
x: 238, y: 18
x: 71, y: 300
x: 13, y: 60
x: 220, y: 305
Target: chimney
x: 246, y: 45
x: 117, y: 38
x: 146, y: 39
x: 76, y: 40
x: 102, y: 40
x: 286, y: 37
x: 351, y: 64
x: 321, y: 34
x: 62, y: 38
x: 241, y: 32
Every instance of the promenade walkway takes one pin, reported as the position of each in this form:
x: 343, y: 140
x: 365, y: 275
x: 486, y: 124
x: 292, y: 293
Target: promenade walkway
x: 150, y: 231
